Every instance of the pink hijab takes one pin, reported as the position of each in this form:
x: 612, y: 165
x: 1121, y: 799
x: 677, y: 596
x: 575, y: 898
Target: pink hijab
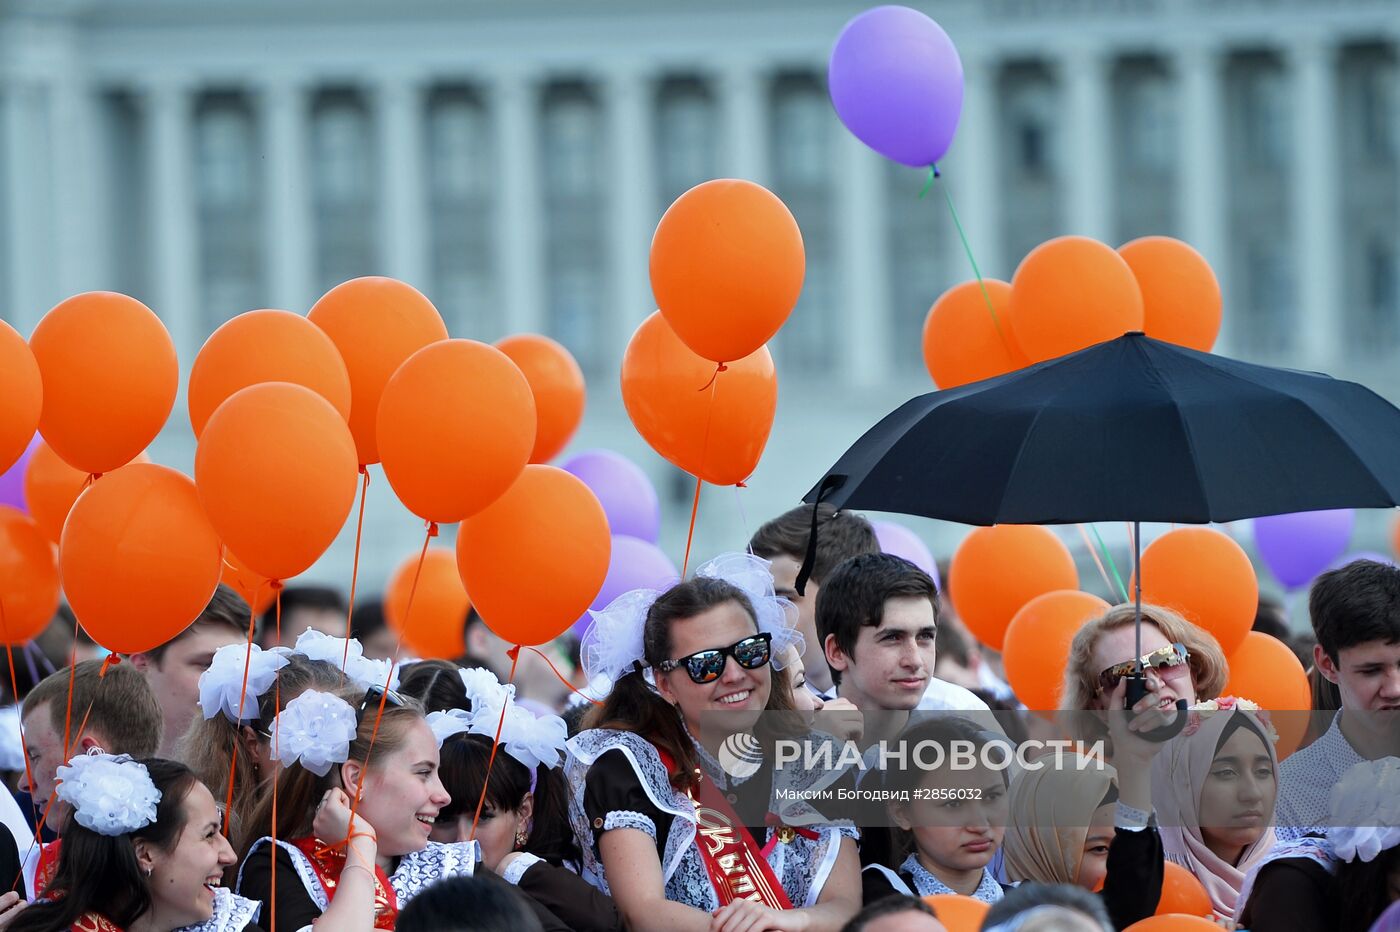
x: 1178, y: 775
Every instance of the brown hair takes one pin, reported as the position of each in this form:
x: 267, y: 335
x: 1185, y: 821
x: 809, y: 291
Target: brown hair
x: 225, y: 610
x: 210, y: 744
x: 119, y: 706
x: 840, y: 536
x: 634, y: 705
x: 299, y: 790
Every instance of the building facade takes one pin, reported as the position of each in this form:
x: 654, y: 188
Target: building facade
x: 511, y: 159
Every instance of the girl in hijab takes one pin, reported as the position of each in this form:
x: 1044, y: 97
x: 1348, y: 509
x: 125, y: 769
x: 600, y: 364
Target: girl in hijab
x: 1214, y: 788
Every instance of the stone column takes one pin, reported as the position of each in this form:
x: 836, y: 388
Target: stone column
x: 861, y: 233
x: 629, y: 102
x: 1199, y: 74
x: 1088, y: 171
x: 744, y: 107
x: 175, y: 242
x: 515, y: 98
x: 286, y: 118
x: 1317, y: 230
x: 400, y: 112
x: 971, y: 173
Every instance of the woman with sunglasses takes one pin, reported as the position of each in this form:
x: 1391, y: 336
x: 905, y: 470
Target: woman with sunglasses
x: 349, y: 872
x: 647, y: 773
x: 1183, y: 664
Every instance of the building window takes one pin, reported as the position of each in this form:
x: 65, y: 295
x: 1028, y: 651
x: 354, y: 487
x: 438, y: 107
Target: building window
x: 1029, y: 112
x: 345, y: 192
x: 1269, y: 285
x: 1381, y: 285
x: 461, y: 172
x: 1028, y: 158
x: 802, y: 126
x: 1263, y: 99
x: 228, y: 207
x: 572, y: 142
x: 1147, y: 119
x: 687, y: 132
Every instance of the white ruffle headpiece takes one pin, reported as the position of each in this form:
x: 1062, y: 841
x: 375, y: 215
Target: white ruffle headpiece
x: 1365, y: 810
x: 314, y: 730
x: 221, y: 686
x: 532, y: 740
x: 109, y: 794
x: 613, y: 645
x: 317, y: 645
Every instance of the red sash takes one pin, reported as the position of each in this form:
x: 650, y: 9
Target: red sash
x: 328, y: 863
x: 732, y: 858
x: 95, y: 922
x: 46, y: 868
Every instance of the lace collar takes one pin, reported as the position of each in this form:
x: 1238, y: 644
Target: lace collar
x: 925, y: 884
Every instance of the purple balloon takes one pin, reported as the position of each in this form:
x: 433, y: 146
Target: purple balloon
x: 1371, y: 555
x: 627, y: 495
x: 1297, y: 547
x: 897, y: 83
x: 635, y: 564
x: 12, y: 480
x: 899, y: 540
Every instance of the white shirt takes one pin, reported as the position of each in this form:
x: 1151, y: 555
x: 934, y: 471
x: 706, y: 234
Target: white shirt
x: 1305, y: 782
x: 943, y: 696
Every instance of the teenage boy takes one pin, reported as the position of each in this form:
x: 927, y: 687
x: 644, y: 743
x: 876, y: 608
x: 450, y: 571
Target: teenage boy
x: 1355, y: 614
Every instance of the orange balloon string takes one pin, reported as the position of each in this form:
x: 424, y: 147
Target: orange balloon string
x: 72, y: 673
x: 432, y: 531
x: 514, y: 655
x: 561, y: 676
x: 690, y: 533
x: 355, y: 571
x: 242, y: 695
x: 276, y: 753
x: 23, y: 747
x: 718, y: 369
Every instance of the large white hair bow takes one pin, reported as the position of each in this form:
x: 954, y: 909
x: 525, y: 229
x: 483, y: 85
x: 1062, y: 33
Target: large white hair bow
x: 314, y: 730
x: 1365, y: 810
x: 221, y: 687
x: 532, y: 740
x: 110, y: 795
x: 317, y: 645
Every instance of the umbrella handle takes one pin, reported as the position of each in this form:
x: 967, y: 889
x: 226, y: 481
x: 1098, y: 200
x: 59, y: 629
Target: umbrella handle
x: 1137, y: 688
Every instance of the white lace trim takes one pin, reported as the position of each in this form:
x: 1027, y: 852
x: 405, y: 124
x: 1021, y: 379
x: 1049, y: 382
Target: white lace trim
x: 518, y: 865
x: 420, y: 869
x: 232, y: 913
x: 626, y: 818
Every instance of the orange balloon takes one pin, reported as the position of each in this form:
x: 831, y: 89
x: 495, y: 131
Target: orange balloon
x: 714, y: 431
x: 557, y: 384
x: 964, y: 342
x: 535, y: 559
x: 456, y: 426
x: 21, y: 396
x: 436, y: 624
x: 1207, y: 578
x: 1173, y: 922
x: 997, y: 570
x: 277, y: 474
x: 265, y: 346
x: 1180, y: 294
x: 110, y: 377
x: 1265, y: 670
x: 139, y: 558
x: 51, y: 487
x: 727, y: 265
x: 1035, y: 650
x: 256, y: 590
x: 1069, y: 293
x: 376, y: 323
x: 28, y: 578
x: 1182, y: 893
x: 958, y: 913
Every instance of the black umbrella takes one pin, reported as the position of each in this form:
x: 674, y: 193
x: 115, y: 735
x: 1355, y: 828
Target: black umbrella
x: 1133, y: 429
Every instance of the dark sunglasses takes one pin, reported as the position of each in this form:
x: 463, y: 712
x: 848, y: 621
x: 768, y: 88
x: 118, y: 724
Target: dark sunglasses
x: 706, y: 666
x: 1163, y: 658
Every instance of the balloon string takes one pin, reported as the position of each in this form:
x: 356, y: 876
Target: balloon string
x: 690, y: 534
x: 933, y: 173
x: 242, y: 695
x: 1122, y: 589
x: 24, y: 749
x: 72, y: 673
x: 713, y: 386
x: 743, y: 515
x: 277, y: 755
x: 721, y: 367
x: 355, y: 571
x: 432, y: 531
x: 514, y: 655
x: 562, y: 679
x: 1093, y: 553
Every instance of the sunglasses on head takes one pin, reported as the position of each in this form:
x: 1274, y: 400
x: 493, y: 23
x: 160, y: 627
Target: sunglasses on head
x: 1163, y: 658
x: 391, y: 697
x: 706, y: 666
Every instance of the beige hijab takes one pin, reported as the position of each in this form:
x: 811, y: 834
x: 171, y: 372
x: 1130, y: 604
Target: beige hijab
x: 1051, y: 809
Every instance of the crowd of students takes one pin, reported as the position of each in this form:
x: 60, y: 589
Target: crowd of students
x: 212, y: 784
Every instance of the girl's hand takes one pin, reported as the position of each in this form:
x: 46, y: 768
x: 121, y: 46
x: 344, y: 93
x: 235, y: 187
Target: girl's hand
x: 334, y: 824
x: 11, y: 905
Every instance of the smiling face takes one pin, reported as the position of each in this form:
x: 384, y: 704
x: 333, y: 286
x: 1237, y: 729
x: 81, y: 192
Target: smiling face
x: 403, y: 793
x: 182, y: 879
x: 736, y: 689
x: 1237, y: 798
x: 1118, y: 645
x: 890, y: 667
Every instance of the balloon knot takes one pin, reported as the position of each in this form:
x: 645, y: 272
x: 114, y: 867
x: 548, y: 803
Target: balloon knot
x: 364, y: 469
x: 514, y: 653
x: 937, y: 173
x: 275, y: 585
x: 111, y: 660
x: 741, y: 485
x: 432, y: 529
x: 722, y: 368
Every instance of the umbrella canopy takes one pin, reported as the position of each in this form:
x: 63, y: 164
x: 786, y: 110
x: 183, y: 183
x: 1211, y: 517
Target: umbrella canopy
x: 1133, y: 429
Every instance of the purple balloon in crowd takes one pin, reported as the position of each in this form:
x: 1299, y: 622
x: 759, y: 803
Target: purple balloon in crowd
x: 1297, y: 547
x: 635, y: 564
x: 897, y: 83
x: 12, y: 480
x: 902, y: 542
x: 627, y: 495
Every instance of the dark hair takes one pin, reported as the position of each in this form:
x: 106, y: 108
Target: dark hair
x: 226, y: 609
x: 887, y: 906
x: 478, y: 903
x: 435, y: 683
x: 1237, y: 721
x: 635, y: 706
x: 840, y: 536
x: 118, y: 705
x: 1362, y: 890
x: 1354, y: 604
x: 100, y: 873
x: 321, y: 598
x: 366, y: 619
x: 1270, y: 618
x: 1026, y: 896
x: 854, y: 597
